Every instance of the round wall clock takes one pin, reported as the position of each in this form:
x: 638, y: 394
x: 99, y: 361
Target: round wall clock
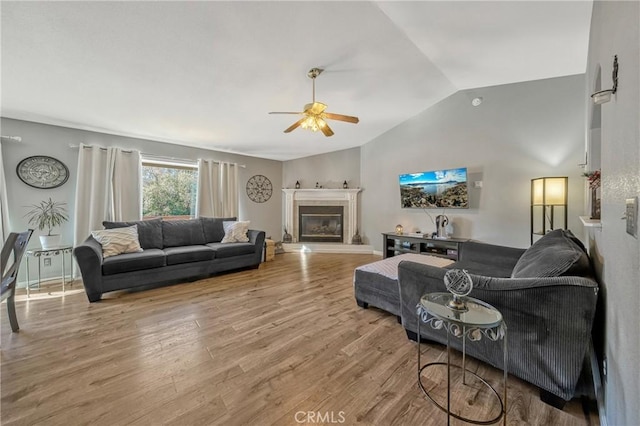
x: 41, y: 171
x: 259, y: 188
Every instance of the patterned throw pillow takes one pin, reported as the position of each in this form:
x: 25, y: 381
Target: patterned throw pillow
x: 235, y: 232
x: 118, y: 240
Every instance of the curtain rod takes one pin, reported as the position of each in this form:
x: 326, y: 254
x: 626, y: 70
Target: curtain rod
x: 154, y: 156
x: 71, y: 146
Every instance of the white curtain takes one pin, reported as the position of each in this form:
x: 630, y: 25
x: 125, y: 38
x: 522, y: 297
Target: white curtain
x: 4, y: 207
x: 217, y: 189
x: 108, y: 188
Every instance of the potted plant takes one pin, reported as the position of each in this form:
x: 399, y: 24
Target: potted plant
x: 47, y: 215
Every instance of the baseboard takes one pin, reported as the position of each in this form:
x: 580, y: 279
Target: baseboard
x: 598, y: 388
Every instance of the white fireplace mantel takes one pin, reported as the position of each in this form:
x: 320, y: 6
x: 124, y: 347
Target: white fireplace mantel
x: 297, y: 197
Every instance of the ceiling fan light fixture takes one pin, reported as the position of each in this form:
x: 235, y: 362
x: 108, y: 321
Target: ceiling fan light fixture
x: 313, y: 123
x: 314, y: 113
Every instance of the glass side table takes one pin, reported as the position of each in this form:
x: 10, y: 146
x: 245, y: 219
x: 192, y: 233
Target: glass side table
x: 39, y: 253
x: 479, y: 319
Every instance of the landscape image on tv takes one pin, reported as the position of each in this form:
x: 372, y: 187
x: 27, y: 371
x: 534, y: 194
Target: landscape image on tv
x: 436, y: 189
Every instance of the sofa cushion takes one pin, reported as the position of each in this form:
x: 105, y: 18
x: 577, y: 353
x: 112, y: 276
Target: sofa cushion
x: 224, y: 250
x: 149, y: 231
x: 177, y: 233
x: 147, y: 259
x: 235, y: 232
x: 213, y: 228
x: 118, y: 241
x: 553, y: 255
x: 187, y: 254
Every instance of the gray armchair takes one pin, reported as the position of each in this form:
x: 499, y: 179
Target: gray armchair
x: 548, y: 318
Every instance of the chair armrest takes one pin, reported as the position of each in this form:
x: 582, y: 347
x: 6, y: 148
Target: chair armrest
x: 89, y: 258
x: 257, y: 238
x: 416, y: 279
x: 512, y: 284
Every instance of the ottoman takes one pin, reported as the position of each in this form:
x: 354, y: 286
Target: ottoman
x: 376, y: 283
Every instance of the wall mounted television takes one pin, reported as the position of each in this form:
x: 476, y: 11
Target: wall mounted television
x: 435, y: 189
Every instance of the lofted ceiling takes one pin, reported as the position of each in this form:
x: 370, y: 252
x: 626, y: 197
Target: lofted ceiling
x: 206, y: 74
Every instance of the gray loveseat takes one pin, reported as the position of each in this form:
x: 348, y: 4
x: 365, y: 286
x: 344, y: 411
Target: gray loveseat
x: 546, y: 294
x: 173, y: 251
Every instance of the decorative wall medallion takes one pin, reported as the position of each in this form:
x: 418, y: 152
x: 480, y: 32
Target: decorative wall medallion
x: 41, y: 171
x: 259, y: 188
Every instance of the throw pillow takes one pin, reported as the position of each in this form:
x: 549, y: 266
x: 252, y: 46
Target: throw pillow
x: 235, y: 232
x: 553, y: 255
x: 149, y: 231
x: 213, y: 229
x: 117, y: 241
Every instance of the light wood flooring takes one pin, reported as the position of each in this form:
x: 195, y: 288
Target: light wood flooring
x: 281, y: 345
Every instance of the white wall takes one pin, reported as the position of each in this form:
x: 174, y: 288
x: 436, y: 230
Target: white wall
x: 615, y: 31
x: 520, y: 131
x: 42, y: 139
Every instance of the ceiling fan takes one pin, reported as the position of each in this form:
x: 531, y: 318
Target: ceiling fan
x: 314, y: 114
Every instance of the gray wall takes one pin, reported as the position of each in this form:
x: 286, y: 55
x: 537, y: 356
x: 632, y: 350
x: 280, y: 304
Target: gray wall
x: 615, y: 31
x: 42, y: 139
x: 329, y: 170
x: 521, y: 131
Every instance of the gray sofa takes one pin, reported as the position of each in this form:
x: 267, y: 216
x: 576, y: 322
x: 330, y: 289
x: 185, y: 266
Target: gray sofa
x: 173, y: 251
x: 546, y: 294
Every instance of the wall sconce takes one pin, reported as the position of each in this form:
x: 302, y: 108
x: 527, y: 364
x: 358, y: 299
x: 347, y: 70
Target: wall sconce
x: 604, y: 96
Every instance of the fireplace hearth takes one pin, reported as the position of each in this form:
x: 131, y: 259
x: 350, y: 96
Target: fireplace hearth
x: 321, y: 224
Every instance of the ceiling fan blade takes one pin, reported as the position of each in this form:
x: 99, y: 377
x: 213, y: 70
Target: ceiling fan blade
x: 340, y: 117
x: 281, y: 112
x: 315, y: 108
x: 295, y: 125
x: 326, y: 129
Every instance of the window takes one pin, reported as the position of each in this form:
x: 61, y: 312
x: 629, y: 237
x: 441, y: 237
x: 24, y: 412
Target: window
x: 168, y: 188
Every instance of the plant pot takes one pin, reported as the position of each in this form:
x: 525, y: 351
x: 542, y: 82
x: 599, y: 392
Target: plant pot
x: 49, y: 241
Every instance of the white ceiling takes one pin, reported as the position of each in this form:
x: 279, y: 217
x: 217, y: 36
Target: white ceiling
x: 205, y: 74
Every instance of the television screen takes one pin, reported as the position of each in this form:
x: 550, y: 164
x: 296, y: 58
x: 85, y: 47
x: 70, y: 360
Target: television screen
x: 436, y: 189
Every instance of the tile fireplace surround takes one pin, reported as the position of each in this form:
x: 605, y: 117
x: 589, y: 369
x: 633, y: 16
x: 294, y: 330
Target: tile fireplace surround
x: 348, y: 198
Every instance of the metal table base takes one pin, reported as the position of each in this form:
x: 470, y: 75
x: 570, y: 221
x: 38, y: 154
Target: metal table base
x: 458, y: 328
x: 39, y: 253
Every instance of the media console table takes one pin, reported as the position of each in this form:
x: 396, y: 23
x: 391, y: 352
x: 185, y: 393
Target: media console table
x: 395, y: 244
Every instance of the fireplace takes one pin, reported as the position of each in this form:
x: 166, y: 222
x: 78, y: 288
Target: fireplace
x: 320, y: 224
x: 322, y: 197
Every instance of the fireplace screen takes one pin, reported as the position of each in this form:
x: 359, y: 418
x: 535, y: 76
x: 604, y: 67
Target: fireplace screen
x: 320, y: 224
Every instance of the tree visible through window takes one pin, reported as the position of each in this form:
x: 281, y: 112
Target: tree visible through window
x: 168, y: 191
